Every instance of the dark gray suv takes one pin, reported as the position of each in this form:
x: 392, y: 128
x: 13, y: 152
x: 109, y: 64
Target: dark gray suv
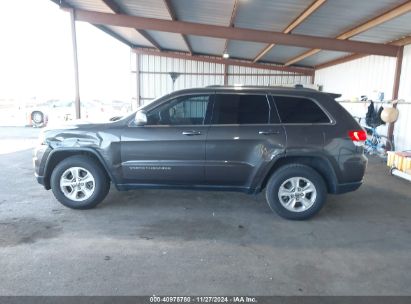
x: 297, y: 144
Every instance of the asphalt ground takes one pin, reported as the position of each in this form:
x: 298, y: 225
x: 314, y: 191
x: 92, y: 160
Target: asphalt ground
x: 178, y: 242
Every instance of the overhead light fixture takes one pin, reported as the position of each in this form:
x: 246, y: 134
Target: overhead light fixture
x: 226, y: 55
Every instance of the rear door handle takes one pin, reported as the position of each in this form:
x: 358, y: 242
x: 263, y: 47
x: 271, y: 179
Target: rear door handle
x: 191, y: 133
x: 268, y: 132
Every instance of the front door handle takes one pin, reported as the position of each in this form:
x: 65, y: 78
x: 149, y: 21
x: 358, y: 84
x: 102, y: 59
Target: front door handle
x: 191, y: 133
x: 268, y: 132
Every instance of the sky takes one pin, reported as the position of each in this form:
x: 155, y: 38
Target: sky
x: 36, y: 58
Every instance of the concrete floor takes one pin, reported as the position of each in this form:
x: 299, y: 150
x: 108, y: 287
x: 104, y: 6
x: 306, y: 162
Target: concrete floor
x: 198, y: 243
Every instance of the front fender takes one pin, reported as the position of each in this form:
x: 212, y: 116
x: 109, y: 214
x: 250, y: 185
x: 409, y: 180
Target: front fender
x: 56, y: 155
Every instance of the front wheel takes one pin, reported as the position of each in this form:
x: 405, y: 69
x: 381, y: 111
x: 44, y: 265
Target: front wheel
x: 296, y: 192
x: 79, y: 182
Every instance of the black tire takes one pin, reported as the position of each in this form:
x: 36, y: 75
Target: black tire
x: 37, y: 119
x: 283, y: 174
x: 101, y: 182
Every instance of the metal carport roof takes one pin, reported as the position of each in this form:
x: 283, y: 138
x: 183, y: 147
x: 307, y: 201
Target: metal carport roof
x: 342, y: 26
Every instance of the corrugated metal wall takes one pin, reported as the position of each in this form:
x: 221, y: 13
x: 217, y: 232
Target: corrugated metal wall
x: 402, y: 130
x: 261, y: 77
x: 364, y: 76
x: 368, y: 76
x: 405, y: 84
x: 155, y: 80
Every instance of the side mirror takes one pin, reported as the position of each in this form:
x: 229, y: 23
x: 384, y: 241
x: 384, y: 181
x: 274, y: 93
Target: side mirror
x: 141, y: 118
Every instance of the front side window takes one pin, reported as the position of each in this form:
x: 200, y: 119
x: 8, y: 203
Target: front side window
x: 299, y: 110
x: 184, y: 110
x: 241, y: 109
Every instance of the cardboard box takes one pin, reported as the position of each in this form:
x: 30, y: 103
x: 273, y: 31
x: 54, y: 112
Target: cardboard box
x: 399, y: 160
x: 390, y: 158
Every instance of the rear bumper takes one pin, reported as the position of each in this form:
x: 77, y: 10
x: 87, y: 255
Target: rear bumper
x: 352, y: 170
x: 348, y: 187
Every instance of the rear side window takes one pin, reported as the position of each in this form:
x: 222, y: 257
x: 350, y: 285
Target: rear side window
x: 241, y: 109
x: 299, y: 110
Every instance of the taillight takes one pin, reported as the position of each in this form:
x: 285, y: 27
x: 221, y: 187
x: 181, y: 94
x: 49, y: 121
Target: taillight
x: 358, y: 137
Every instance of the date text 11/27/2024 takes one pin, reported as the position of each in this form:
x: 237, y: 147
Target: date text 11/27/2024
x: 220, y: 299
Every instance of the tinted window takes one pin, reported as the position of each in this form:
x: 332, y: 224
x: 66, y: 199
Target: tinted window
x: 185, y: 110
x: 240, y: 109
x: 299, y: 110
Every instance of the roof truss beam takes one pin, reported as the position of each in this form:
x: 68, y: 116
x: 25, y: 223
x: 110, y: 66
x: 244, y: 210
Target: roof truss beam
x: 117, y: 10
x: 387, y: 16
x: 219, y: 60
x: 63, y: 4
x: 173, y: 17
x: 399, y: 42
x: 190, y: 28
x: 296, y: 22
x: 231, y: 23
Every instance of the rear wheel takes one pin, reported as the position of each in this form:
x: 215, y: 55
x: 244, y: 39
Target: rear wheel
x: 296, y: 192
x: 79, y: 182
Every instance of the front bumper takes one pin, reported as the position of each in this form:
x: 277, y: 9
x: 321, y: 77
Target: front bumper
x: 40, y: 155
x: 40, y: 179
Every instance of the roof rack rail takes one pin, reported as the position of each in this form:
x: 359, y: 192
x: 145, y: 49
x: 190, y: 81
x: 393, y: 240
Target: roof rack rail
x: 284, y: 87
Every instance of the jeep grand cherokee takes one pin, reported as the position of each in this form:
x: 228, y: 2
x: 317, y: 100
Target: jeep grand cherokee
x: 296, y: 144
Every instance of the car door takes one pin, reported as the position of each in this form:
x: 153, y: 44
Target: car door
x: 243, y: 138
x: 170, y: 148
x: 304, y: 122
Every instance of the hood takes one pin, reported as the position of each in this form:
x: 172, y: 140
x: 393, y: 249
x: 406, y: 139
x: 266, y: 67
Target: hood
x: 75, y: 124
x: 74, y: 134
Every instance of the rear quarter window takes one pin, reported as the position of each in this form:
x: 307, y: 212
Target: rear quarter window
x: 299, y: 110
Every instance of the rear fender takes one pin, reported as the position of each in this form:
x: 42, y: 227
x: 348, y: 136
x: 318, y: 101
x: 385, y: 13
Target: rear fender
x: 318, y: 162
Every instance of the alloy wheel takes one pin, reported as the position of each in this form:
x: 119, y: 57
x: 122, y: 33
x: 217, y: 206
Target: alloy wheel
x: 77, y: 184
x: 297, y: 194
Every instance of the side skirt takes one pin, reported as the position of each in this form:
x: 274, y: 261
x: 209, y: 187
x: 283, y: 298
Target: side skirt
x: 125, y: 187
